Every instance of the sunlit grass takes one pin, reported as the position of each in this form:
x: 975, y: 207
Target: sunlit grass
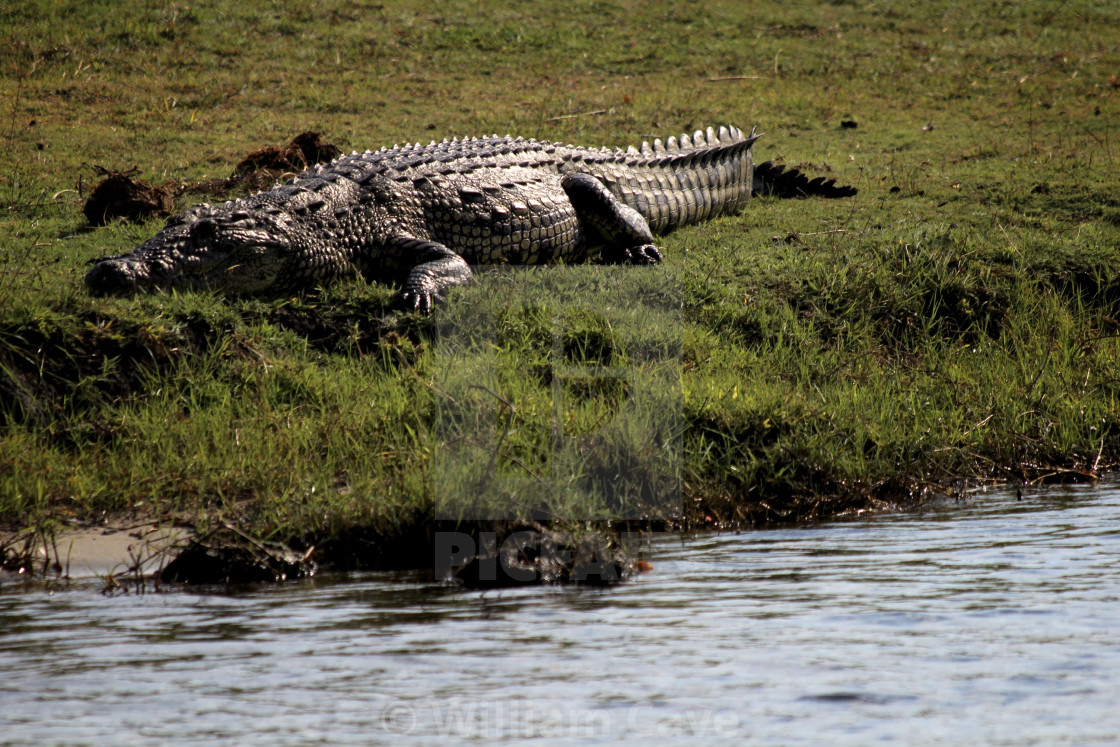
x: 955, y: 322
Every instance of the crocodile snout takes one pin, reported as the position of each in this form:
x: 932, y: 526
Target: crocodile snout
x: 112, y: 277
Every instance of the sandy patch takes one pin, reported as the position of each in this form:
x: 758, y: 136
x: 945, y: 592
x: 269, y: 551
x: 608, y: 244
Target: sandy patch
x: 103, y: 551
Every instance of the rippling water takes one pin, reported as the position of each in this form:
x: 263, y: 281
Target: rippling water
x: 990, y: 621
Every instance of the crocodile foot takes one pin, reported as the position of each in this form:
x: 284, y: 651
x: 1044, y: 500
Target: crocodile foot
x: 644, y: 254
x: 419, y: 300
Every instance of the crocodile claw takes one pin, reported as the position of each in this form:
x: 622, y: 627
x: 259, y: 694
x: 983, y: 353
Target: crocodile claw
x: 645, y: 254
x: 421, y: 301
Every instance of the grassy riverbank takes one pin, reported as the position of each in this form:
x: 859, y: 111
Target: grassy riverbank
x: 954, y: 324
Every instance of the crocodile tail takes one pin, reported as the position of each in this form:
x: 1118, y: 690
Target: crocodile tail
x: 685, y: 179
x: 772, y: 179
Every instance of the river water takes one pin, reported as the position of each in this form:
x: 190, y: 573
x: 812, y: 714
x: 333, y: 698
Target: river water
x: 991, y: 620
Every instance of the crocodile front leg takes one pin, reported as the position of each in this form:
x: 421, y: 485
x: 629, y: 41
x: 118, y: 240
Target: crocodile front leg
x: 625, y: 233
x: 437, y: 269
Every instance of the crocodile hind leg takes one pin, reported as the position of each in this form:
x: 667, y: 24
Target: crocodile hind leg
x: 625, y: 233
x: 437, y: 269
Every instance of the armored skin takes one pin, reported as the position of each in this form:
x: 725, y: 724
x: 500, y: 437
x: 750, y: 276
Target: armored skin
x: 422, y: 215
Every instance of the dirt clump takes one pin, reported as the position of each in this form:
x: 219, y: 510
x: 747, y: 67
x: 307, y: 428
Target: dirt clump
x: 305, y: 150
x: 119, y: 195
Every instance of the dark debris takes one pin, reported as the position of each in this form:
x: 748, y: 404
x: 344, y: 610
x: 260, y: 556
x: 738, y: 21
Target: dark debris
x: 120, y: 195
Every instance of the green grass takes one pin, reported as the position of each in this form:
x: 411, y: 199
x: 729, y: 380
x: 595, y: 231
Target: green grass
x: 955, y: 323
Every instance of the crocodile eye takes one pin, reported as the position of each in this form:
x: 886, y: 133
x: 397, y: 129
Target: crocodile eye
x: 205, y: 229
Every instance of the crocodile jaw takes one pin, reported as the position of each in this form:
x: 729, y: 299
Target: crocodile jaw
x: 210, y: 253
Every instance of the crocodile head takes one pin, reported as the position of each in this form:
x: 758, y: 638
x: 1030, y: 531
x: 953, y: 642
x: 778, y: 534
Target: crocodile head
x: 235, y: 251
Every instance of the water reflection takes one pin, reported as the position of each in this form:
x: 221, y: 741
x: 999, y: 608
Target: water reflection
x: 992, y: 620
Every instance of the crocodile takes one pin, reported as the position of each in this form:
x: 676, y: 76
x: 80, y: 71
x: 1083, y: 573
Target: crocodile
x: 423, y: 215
